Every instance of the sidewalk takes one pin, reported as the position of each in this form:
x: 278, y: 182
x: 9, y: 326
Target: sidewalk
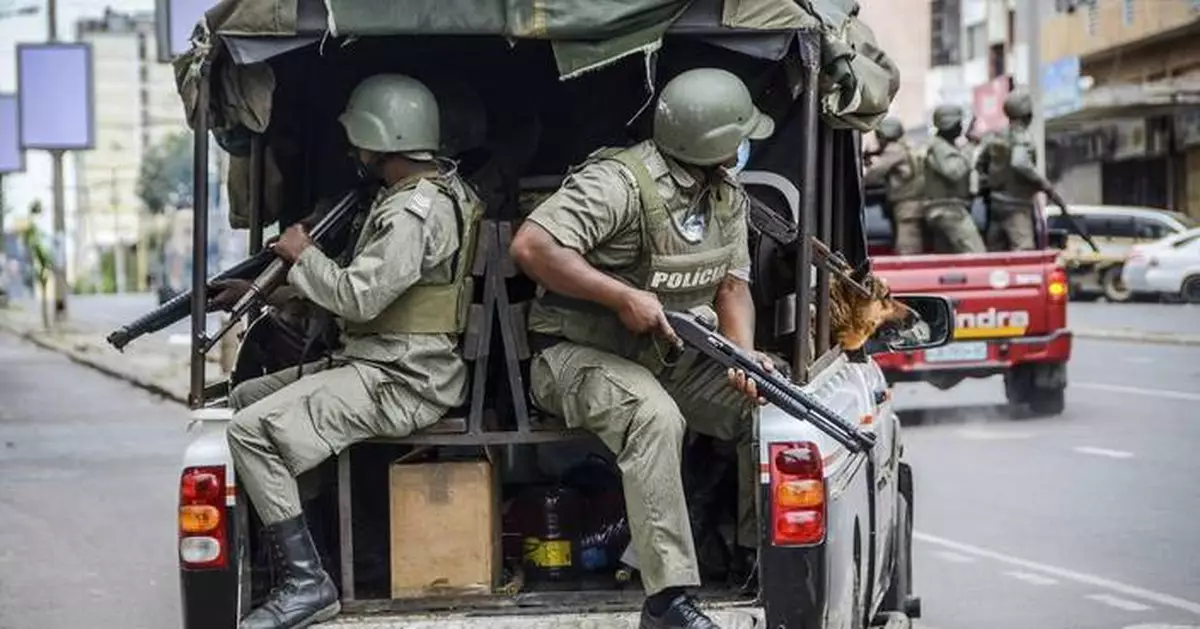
x: 152, y: 363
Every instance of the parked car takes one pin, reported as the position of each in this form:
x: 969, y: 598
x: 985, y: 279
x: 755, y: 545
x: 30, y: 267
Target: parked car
x: 1170, y: 266
x: 1116, y: 229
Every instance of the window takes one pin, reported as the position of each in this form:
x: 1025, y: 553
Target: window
x: 1127, y: 12
x: 1150, y: 229
x: 996, y: 65
x: 1093, y: 18
x: 946, y: 22
x: 976, y: 41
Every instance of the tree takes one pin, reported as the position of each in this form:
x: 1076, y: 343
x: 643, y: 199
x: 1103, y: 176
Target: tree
x: 166, y: 174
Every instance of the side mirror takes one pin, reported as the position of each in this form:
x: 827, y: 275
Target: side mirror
x: 930, y: 325
x: 1057, y: 238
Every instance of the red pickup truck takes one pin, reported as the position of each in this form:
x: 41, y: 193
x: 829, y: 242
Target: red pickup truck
x: 1010, y: 314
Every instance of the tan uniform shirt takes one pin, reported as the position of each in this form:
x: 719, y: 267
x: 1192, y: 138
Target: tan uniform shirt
x: 409, y: 238
x: 598, y: 213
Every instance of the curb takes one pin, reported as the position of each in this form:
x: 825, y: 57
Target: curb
x: 1134, y: 336
x: 81, y: 358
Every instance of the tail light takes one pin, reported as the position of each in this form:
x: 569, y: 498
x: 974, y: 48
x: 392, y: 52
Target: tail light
x: 797, y: 494
x: 1057, y: 285
x: 203, y: 540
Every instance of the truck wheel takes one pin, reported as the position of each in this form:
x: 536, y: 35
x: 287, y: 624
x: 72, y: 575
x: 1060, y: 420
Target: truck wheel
x: 1115, y: 289
x: 1046, y: 402
x: 901, y: 586
x: 1191, y: 290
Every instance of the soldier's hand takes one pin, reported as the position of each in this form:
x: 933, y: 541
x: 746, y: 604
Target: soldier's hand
x: 292, y: 243
x: 226, y: 293
x: 740, y: 381
x: 642, y: 313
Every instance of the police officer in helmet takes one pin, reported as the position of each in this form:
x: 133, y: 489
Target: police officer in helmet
x: 947, y: 194
x: 400, y: 298
x: 1009, y: 162
x: 898, y: 168
x: 661, y: 224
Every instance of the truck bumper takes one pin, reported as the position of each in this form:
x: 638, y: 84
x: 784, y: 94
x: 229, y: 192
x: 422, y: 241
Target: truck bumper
x: 1003, y: 354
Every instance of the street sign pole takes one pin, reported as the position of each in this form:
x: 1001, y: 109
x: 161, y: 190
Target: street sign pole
x: 60, y: 211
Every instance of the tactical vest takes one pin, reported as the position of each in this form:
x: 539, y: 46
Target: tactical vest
x: 901, y: 188
x: 427, y: 308
x: 938, y: 188
x: 1003, y: 181
x: 682, y: 274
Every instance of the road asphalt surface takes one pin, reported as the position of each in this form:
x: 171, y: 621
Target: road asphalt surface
x: 1084, y: 521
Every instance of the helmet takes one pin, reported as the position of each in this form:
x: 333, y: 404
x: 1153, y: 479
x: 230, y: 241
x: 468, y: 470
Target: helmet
x: 1018, y: 104
x: 890, y: 130
x: 704, y: 114
x: 945, y: 117
x: 392, y: 113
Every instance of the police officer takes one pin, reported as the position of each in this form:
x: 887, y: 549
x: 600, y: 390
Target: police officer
x: 1009, y: 162
x: 898, y: 167
x: 401, y: 300
x: 661, y: 224
x: 948, y: 186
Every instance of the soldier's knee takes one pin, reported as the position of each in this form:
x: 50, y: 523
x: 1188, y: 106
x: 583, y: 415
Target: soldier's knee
x: 657, y: 418
x: 243, y: 429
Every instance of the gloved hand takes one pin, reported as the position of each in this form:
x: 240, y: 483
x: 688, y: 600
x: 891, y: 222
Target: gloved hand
x: 226, y: 293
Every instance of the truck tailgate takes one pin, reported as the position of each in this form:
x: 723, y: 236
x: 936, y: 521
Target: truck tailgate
x: 996, y: 295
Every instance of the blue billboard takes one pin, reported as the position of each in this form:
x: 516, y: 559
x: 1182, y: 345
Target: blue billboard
x: 1061, y: 93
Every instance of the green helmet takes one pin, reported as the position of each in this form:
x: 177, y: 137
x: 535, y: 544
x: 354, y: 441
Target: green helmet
x: 392, y: 113
x: 703, y: 115
x: 945, y: 117
x: 890, y: 130
x: 1018, y: 104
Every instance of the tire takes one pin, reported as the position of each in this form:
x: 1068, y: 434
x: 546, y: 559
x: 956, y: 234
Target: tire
x: 1115, y: 289
x: 901, y: 586
x: 1048, y: 402
x: 1191, y: 290
x: 1030, y: 400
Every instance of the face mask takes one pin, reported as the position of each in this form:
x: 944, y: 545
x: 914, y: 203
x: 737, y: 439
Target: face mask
x: 743, y: 156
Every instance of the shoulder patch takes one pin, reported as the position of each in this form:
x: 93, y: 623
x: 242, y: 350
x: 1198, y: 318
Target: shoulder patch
x: 422, y: 197
x: 656, y: 165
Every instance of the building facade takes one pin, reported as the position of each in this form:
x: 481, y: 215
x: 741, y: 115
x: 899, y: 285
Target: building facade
x: 136, y: 108
x: 1132, y: 134
x: 902, y: 29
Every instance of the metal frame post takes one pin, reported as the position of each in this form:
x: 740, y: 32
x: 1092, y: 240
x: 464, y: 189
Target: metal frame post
x: 199, y: 239
x: 824, y: 234
x: 810, y: 112
x: 257, y: 160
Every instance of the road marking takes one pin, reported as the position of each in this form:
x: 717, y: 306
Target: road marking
x: 1031, y: 578
x: 953, y: 557
x: 1115, y: 454
x: 1119, y: 603
x: 1117, y: 388
x: 1062, y: 573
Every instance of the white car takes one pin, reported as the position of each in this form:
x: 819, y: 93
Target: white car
x: 1169, y: 266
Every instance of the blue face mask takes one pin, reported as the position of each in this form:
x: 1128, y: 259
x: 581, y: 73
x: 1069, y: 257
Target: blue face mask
x: 743, y: 156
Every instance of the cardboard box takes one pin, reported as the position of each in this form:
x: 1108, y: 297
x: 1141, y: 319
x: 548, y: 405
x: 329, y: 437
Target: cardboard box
x: 444, y: 529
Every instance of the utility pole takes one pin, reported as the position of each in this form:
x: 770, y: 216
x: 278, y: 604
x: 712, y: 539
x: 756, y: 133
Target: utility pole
x: 3, y: 258
x: 1031, y: 21
x: 60, y: 211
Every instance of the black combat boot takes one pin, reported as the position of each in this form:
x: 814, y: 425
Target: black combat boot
x: 680, y: 613
x: 305, y: 595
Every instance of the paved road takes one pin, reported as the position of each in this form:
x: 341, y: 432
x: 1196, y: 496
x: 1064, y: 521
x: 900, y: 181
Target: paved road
x: 1085, y: 521
x: 1168, y: 318
x: 87, y: 497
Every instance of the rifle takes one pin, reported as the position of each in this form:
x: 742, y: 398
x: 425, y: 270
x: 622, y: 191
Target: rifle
x: 772, y: 385
x: 264, y: 267
x: 1080, y: 228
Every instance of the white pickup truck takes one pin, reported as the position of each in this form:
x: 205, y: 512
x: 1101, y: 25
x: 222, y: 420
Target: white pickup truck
x: 839, y: 561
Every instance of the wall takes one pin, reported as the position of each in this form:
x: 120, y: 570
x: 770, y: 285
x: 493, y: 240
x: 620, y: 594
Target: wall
x: 902, y: 30
x: 1088, y: 32
x: 1081, y: 184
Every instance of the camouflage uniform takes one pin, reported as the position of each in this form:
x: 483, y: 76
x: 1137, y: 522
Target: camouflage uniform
x: 1009, y: 161
x: 899, y: 167
x: 948, y: 189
